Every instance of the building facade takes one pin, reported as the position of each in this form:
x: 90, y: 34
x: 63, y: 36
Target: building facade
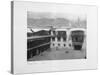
x: 62, y: 38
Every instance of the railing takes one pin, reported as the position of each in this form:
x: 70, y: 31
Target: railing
x: 37, y: 37
x: 38, y: 46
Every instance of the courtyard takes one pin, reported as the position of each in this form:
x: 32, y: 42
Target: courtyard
x: 60, y: 54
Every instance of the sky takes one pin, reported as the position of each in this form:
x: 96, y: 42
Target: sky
x: 69, y: 16
x: 55, y: 19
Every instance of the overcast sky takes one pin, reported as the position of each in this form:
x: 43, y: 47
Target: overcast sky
x: 56, y: 15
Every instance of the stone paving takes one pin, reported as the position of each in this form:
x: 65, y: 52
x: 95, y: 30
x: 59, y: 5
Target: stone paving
x: 60, y: 54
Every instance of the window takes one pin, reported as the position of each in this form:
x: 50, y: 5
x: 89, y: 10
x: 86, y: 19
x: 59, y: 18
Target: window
x: 53, y: 44
x: 58, y: 44
x: 64, y: 45
x: 53, y: 38
x: 77, y: 36
x: 59, y: 38
x: 64, y: 39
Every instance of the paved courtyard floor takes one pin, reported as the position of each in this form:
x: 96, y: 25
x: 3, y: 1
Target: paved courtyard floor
x: 60, y: 54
